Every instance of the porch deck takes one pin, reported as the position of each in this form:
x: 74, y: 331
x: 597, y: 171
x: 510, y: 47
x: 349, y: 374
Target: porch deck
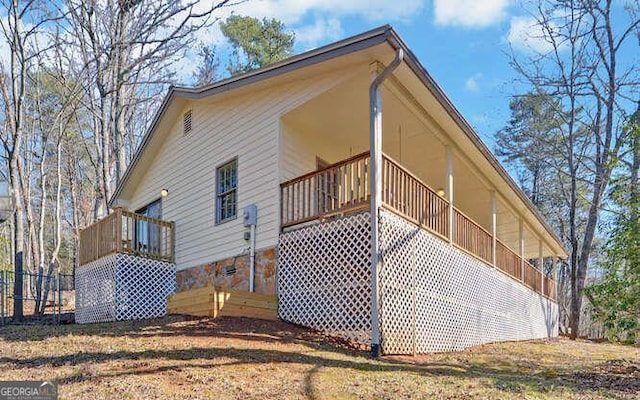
x: 126, y: 268
x: 128, y: 233
x: 344, y: 187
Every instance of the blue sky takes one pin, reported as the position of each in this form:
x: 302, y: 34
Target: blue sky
x: 462, y: 43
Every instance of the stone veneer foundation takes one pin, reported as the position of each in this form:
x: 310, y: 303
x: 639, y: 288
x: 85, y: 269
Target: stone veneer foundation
x: 217, y: 273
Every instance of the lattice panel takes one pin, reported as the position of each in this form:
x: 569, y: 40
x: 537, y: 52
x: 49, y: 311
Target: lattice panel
x: 123, y: 287
x: 95, y: 290
x: 434, y: 297
x: 324, y: 277
x: 143, y: 286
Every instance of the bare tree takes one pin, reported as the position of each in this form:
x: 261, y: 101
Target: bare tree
x: 591, y: 91
x: 75, y: 97
x: 20, y: 36
x: 125, y: 47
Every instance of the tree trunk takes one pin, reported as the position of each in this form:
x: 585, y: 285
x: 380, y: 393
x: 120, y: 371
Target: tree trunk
x: 57, y: 215
x: 47, y: 288
x: 72, y: 176
x: 18, y: 238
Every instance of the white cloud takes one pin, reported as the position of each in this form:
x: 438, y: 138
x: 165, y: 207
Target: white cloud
x: 37, y: 41
x: 5, y: 53
x: 315, y: 22
x: 470, y: 13
x: 472, y: 83
x: 293, y: 11
x: 310, y: 36
x: 526, y: 35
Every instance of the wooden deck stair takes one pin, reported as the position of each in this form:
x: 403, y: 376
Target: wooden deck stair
x: 214, y: 302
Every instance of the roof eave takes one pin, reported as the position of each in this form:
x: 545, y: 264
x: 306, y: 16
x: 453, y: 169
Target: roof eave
x: 355, y: 43
x: 166, y: 101
x: 417, y: 68
x: 350, y: 45
x: 359, y: 42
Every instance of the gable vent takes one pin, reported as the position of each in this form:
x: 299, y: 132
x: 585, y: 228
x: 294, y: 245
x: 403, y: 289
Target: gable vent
x: 187, y: 122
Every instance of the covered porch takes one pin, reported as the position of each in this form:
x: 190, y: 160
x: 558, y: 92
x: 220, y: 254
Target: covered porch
x: 344, y: 188
x: 429, y: 176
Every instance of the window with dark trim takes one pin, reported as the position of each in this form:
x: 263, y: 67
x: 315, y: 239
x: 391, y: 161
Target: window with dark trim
x: 226, y: 191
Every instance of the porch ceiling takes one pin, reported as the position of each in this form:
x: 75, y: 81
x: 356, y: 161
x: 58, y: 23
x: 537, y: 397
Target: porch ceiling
x: 335, y: 126
x: 338, y: 123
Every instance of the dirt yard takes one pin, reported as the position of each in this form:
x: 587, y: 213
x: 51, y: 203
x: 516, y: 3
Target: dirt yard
x: 235, y: 358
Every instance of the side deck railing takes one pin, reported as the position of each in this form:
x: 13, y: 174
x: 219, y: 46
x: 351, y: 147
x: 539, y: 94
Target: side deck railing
x: 345, y: 187
x: 123, y: 231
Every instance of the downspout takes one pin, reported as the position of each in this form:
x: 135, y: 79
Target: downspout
x: 250, y: 219
x: 252, y: 259
x: 375, y: 128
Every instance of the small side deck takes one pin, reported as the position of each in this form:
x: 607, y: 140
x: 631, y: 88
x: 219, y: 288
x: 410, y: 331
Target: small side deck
x: 128, y: 233
x: 126, y: 268
x: 344, y: 188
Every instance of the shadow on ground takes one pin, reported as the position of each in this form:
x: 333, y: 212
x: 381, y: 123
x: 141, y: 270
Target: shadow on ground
x: 327, y: 352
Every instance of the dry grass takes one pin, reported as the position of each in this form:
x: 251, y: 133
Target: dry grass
x: 241, y: 358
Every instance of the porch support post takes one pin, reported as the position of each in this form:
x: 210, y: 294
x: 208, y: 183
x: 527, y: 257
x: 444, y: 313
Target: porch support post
x: 494, y: 226
x: 554, y: 274
x: 449, y: 189
x: 541, y: 266
x: 375, y: 143
x: 521, y: 245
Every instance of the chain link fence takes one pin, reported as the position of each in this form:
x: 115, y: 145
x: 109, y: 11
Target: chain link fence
x: 56, y: 297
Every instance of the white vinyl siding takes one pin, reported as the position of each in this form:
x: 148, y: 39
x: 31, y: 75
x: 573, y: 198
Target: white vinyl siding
x: 243, y: 127
x: 297, y: 155
x: 302, y: 143
x: 299, y: 151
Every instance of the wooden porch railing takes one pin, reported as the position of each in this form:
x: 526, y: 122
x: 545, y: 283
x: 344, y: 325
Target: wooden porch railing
x: 340, y: 187
x: 127, y: 232
x: 532, y: 277
x: 472, y: 237
x: 508, y: 261
x: 405, y: 194
x: 345, y: 187
x: 550, y: 288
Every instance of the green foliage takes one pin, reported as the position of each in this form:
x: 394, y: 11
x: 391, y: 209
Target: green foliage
x: 534, y: 145
x: 528, y: 139
x: 616, y: 298
x: 256, y: 43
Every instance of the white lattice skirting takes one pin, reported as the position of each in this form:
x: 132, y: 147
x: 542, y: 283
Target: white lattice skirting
x: 433, y: 296
x: 123, y: 287
x: 324, y: 278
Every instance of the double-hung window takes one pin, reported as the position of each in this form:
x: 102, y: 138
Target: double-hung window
x: 226, y: 191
